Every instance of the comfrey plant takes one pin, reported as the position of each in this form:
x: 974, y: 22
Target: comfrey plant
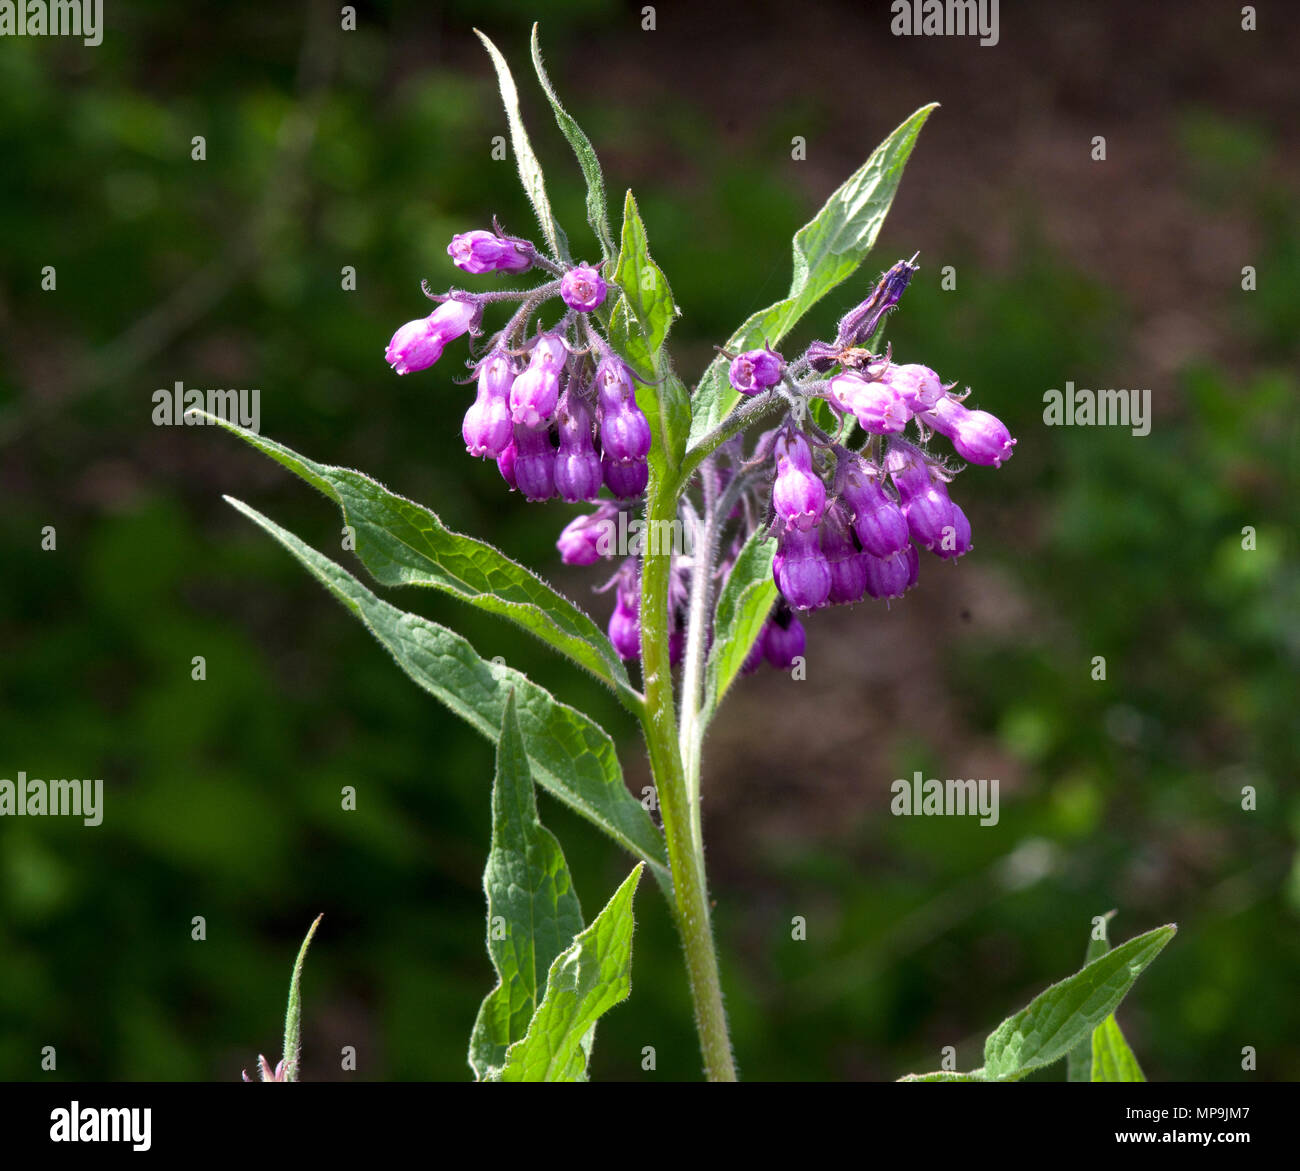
x: 779, y: 485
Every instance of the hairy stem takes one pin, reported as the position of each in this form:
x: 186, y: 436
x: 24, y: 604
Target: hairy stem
x: 659, y: 724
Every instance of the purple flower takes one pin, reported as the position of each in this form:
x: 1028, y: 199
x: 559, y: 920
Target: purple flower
x: 506, y: 465
x: 859, y: 325
x: 755, y: 371
x: 978, y: 436
x: 878, y: 407
x: 847, y: 563
x: 801, y: 572
x: 783, y: 639
x: 535, y: 392
x: 625, y: 622
x: 798, y: 494
x: 419, y: 344
x: 588, y: 538
x: 577, y: 466
x: 879, y: 523
x: 534, y: 462
x: 918, y: 386
x: 624, y: 430
x: 892, y: 576
x: 925, y: 499
x: 626, y: 478
x: 583, y: 288
x: 486, y: 429
x: 954, y: 541
x: 479, y: 252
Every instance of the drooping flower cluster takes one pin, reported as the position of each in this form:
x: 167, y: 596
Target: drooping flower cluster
x: 557, y: 411
x: 848, y: 494
x: 849, y: 521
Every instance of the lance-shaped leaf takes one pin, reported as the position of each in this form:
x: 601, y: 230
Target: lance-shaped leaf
x: 743, y: 606
x: 597, y: 210
x: 1056, y: 1021
x: 827, y: 250
x: 293, y: 1013
x: 1112, y: 1059
x: 585, y: 981
x: 530, y: 170
x: 403, y: 543
x: 638, y: 327
x: 533, y: 911
x: 571, y: 756
x: 1079, y: 1063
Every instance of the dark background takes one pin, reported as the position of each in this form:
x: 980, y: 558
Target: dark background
x: 370, y: 148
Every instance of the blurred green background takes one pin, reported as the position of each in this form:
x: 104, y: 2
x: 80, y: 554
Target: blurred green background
x: 370, y: 148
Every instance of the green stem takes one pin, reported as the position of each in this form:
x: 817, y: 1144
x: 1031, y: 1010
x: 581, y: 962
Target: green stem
x: 659, y: 723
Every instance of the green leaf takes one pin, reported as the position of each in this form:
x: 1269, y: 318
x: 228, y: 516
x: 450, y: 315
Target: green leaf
x: 642, y: 281
x: 1079, y: 1063
x: 403, y: 543
x: 1058, y: 1019
x: 743, y: 606
x: 597, y: 211
x: 943, y: 1075
x: 533, y: 911
x: 827, y: 250
x: 570, y: 756
x: 530, y: 170
x: 293, y: 1014
x: 585, y: 982
x: 639, y: 325
x: 1112, y: 1059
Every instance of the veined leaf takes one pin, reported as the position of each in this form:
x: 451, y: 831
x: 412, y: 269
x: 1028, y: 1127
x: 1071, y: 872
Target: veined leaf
x: 638, y: 327
x: 530, y: 170
x: 743, y: 606
x: 571, y: 757
x: 403, y: 543
x: 597, y: 210
x: 1079, y: 1062
x: 533, y: 911
x: 1058, y: 1019
x: 1112, y: 1059
x: 585, y: 982
x: 827, y: 250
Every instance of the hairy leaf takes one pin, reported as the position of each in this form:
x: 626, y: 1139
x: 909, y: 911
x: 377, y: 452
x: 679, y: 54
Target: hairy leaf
x: 533, y: 911
x: 585, y: 982
x: 403, y: 543
x: 827, y: 250
x: 597, y: 210
x: 571, y: 757
x: 1112, y: 1059
x: 743, y: 606
x: 1058, y: 1019
x: 530, y: 170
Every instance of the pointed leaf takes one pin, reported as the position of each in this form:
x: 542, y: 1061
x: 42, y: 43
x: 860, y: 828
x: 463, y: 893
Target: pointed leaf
x: 530, y: 170
x: 293, y: 1014
x: 571, y: 757
x: 1079, y: 1063
x: 743, y: 606
x: 827, y: 250
x: 533, y: 911
x: 403, y: 543
x: 597, y: 210
x: 1112, y: 1059
x: 585, y: 981
x: 1056, y: 1020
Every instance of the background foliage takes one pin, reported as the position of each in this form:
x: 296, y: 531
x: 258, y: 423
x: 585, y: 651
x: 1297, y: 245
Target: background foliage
x: 370, y: 149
